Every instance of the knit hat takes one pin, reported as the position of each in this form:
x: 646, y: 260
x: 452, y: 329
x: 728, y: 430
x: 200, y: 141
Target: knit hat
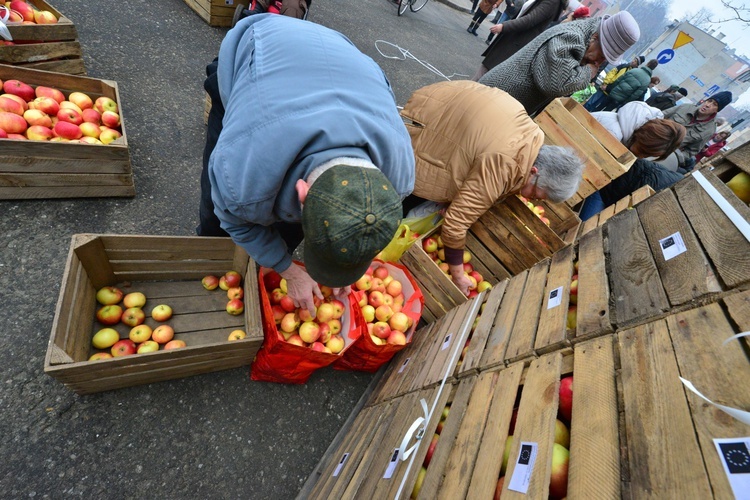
x: 349, y: 215
x: 617, y: 34
x: 641, y: 59
x: 722, y: 98
x: 683, y: 91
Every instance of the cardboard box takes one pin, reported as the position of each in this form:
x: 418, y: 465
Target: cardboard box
x: 168, y: 270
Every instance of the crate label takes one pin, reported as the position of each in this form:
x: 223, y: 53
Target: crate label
x: 521, y: 477
x: 403, y: 367
x: 672, y: 246
x: 446, y: 342
x: 340, y: 464
x: 228, y: 2
x: 555, y: 298
x: 735, y: 456
x: 392, y: 464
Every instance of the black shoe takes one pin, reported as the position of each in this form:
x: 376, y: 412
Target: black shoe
x: 487, y: 42
x: 474, y: 32
x: 468, y: 30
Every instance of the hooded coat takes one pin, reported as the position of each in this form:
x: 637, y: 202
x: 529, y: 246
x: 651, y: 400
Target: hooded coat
x: 631, y: 86
x: 473, y: 145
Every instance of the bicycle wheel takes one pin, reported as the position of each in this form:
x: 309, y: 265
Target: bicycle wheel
x: 416, y: 5
x: 402, y: 6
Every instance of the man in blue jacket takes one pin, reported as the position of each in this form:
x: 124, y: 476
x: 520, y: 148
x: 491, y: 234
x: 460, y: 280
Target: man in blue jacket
x: 304, y: 140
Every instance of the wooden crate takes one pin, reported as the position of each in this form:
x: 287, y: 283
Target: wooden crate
x: 49, y: 47
x: 218, y: 13
x: 565, y: 122
x: 505, y: 241
x: 39, y: 169
x: 625, y: 203
x: 167, y: 270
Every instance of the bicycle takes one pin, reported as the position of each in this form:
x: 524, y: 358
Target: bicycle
x: 414, y: 5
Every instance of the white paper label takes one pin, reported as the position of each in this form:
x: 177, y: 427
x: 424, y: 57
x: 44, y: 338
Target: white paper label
x: 341, y: 464
x: 228, y: 2
x: 521, y: 477
x: 403, y: 367
x: 392, y: 464
x: 555, y: 297
x: 446, y: 342
x: 672, y: 246
x: 735, y: 456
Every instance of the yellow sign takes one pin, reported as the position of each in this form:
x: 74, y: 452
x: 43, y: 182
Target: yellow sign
x: 682, y: 39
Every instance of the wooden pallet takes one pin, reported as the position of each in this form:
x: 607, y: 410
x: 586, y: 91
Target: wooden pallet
x: 218, y: 13
x: 167, y: 270
x: 40, y: 169
x: 49, y: 47
x: 565, y: 122
x: 626, y: 203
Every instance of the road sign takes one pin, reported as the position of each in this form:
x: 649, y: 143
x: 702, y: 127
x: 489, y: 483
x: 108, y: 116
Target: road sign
x: 682, y: 39
x: 665, y: 56
x: 711, y: 90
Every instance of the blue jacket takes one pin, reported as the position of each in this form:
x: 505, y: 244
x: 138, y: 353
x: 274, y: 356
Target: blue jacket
x: 296, y: 94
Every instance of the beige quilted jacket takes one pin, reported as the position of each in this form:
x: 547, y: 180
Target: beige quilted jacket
x: 473, y: 145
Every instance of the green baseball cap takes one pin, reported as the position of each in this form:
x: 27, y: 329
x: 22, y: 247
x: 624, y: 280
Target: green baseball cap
x: 350, y: 214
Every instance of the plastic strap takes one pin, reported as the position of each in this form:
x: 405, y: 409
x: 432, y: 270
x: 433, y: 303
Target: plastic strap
x: 4, y: 16
x: 739, y: 335
x: 741, y: 415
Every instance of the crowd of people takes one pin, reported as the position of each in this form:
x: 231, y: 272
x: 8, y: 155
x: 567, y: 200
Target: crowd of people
x: 353, y: 163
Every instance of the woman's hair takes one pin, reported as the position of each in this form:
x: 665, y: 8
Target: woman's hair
x: 655, y: 80
x: 560, y: 172
x: 658, y: 137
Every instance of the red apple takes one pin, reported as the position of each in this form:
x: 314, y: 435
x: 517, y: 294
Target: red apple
x: 18, y: 99
x: 39, y: 133
x: 100, y: 355
x: 109, y: 315
x: 290, y: 322
x: 12, y: 123
x: 162, y: 334
x: 235, y: 293
x: 19, y: 88
x: 558, y: 481
x: 287, y: 303
x: 67, y: 130
x: 376, y: 299
x: 381, y: 330
x: 271, y: 280
x: 133, y: 316
x: 162, y: 312
x: 319, y: 347
x: 278, y: 313
x: 174, y: 344
x: 276, y: 295
x: 430, y: 245
x: 46, y: 104
x: 23, y: 8
x: 338, y: 308
x: 566, y: 398
x: 83, y: 101
x: 124, y: 347
x: 396, y: 338
x: 235, y: 307
x: 110, y: 119
x: 233, y: 278
x: 499, y: 488
x: 69, y: 115
x: 37, y: 117
x: 52, y: 93
x: 380, y: 272
x: 383, y: 313
x: 92, y: 116
x: 103, y: 104
x: 431, y: 448
x: 11, y: 106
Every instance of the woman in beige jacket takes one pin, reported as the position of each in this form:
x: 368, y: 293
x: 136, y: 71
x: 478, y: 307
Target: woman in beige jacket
x: 474, y: 145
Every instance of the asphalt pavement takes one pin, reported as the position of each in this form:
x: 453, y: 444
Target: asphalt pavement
x: 218, y: 435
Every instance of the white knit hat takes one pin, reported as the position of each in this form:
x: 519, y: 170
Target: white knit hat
x: 617, y: 34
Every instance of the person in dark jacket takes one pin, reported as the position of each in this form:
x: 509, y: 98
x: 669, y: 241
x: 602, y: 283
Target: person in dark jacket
x: 667, y: 99
x: 485, y: 7
x: 630, y: 87
x: 511, y: 11
x: 532, y: 20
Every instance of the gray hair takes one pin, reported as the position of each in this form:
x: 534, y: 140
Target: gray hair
x: 560, y: 172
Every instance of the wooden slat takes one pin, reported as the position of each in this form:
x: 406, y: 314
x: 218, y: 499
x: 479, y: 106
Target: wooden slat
x: 594, y: 433
x: 490, y: 457
x: 554, y: 211
x: 738, y: 306
x: 606, y: 214
x: 636, y: 287
x: 616, y: 148
x: 728, y: 250
x: 550, y: 334
x: 69, y: 66
x: 740, y: 157
x: 537, y: 413
x: 589, y: 224
x: 521, y: 343
x: 493, y: 268
x: 499, y: 336
x: 94, y: 167
x: 14, y: 54
x: 501, y: 243
x: 623, y: 204
x: 91, y: 253
x: 641, y: 194
x: 420, y: 366
x: 444, y: 361
x: 665, y: 458
x: 541, y: 231
x: 715, y: 369
x: 593, y: 288
x: 515, y: 221
x: 471, y: 361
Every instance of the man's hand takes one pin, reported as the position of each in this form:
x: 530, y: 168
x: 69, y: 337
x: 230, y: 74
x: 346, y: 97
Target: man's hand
x: 301, y: 287
x: 460, y: 279
x: 342, y: 293
x: 497, y: 29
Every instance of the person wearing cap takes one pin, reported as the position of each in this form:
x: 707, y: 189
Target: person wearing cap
x: 667, y: 99
x: 474, y: 146
x: 630, y: 87
x: 597, y: 101
x: 329, y: 160
x: 563, y: 59
x: 700, y: 122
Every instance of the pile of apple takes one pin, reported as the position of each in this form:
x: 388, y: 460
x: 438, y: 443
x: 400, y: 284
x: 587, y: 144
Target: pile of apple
x: 572, y: 316
x: 430, y: 451
x: 230, y: 282
x: 22, y: 12
x: 434, y: 248
x: 381, y: 302
x: 141, y: 338
x: 537, y: 209
x: 558, y: 484
x: 46, y: 114
x: 320, y: 330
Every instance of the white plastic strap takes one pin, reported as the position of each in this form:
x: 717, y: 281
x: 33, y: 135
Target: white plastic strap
x: 741, y: 415
x: 729, y: 210
x: 739, y: 335
x: 4, y: 16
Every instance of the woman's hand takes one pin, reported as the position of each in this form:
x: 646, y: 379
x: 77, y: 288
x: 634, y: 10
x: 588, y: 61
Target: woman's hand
x: 497, y: 29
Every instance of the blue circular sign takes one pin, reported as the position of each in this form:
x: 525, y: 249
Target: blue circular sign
x: 665, y: 56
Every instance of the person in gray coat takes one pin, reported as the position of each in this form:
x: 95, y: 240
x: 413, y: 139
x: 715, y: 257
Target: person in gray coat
x: 630, y: 87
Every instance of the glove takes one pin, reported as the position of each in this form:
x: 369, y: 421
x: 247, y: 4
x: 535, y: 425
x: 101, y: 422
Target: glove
x: 301, y: 287
x: 460, y: 279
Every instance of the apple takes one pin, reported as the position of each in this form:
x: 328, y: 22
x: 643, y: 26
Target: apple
x: 235, y: 307
x: 271, y: 280
x: 235, y: 293
x: 174, y: 344
x: 133, y: 316
x: 23, y: 8
x: 3, y: 134
x: 19, y: 88
x: 108, y: 135
x: 472, y: 282
x: 69, y: 115
x: 368, y: 312
x: 147, y: 346
x: 499, y: 488
x: 305, y: 315
x: 140, y: 333
x: 338, y: 308
x: 566, y: 398
x: 290, y: 322
x: 483, y: 285
x: 296, y: 340
x: 92, y: 116
x: 377, y: 285
x: 83, y: 101
x: 506, y: 454
x: 39, y: 133
x: 162, y: 312
x: 574, y: 290
x: 309, y: 331
x: 19, y: 137
x: 418, y: 484
x: 210, y: 282
x: 380, y: 272
x: 383, y: 313
x: 335, y: 326
x: 233, y: 278
x: 394, y: 288
x: 109, y: 315
x: 90, y: 130
x: 467, y: 257
x: 286, y: 303
x: 430, y: 245
x: 18, y: 99
x: 237, y: 335
x: 105, y: 338
x: 572, y: 317
x: 558, y: 481
x: 562, y: 434
x: 37, y: 117
x: 12, y: 123
x: 110, y: 119
x: 396, y: 338
x: 325, y: 333
x: 278, y: 313
x: 67, y: 130
x: 134, y: 299
x: 124, y: 347
x: 223, y: 283
x: 377, y: 340
x: 335, y: 344
x: 162, y: 334
x: 399, y: 321
x: 545, y: 220
x: 538, y: 210
x: 14, y: 17
x: 363, y: 283
x: 11, y: 106
x: 276, y: 296
x: 89, y: 140
x: 100, y: 355
x: 431, y: 447
x: 103, y: 104
x: 282, y: 285
x: 325, y: 312
x: 45, y: 104
x: 376, y: 299
x: 381, y: 329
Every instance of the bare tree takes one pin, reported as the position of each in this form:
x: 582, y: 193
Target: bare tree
x: 741, y: 13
